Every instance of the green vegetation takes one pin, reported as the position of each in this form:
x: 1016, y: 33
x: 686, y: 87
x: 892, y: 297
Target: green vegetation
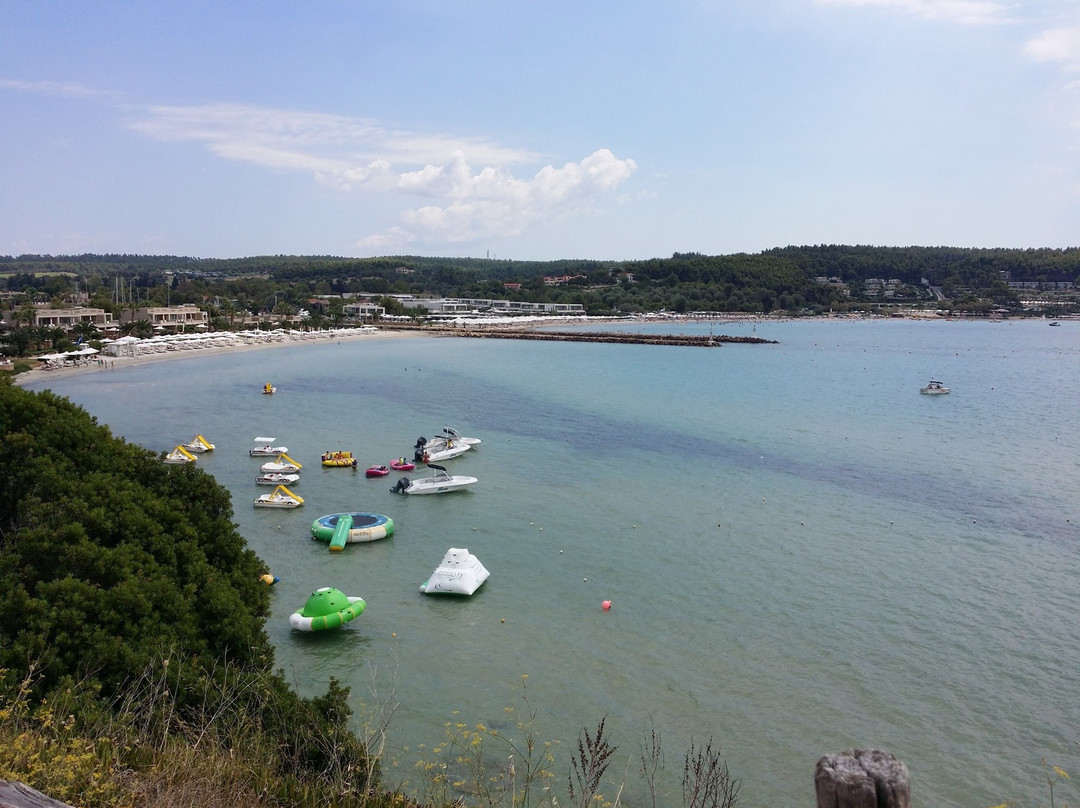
x: 794, y: 280
x: 132, y: 626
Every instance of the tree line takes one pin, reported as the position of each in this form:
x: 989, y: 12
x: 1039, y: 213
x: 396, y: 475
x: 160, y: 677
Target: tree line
x: 806, y: 279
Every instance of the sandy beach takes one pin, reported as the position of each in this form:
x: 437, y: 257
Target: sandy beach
x: 104, y: 363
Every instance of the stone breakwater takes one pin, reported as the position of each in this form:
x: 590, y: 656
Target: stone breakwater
x: 600, y: 336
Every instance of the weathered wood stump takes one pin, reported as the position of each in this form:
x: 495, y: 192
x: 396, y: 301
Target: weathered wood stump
x: 862, y: 778
x: 18, y: 795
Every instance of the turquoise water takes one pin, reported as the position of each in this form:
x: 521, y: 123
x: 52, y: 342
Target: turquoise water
x: 803, y: 554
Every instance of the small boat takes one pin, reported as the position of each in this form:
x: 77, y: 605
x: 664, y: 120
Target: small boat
x: 339, y: 529
x: 179, y: 455
x: 437, y: 449
x: 439, y: 482
x: 401, y: 464
x: 343, y: 460
x: 377, y: 471
x: 280, y: 497
x: 264, y: 448
x: 1055, y: 322
x: 277, y: 478
x: 934, y: 388
x: 459, y: 573
x: 327, y: 608
x: 199, y: 444
x: 452, y: 434
x: 282, y: 463
x: 269, y: 389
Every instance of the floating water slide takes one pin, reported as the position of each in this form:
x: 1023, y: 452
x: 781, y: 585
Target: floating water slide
x: 341, y: 532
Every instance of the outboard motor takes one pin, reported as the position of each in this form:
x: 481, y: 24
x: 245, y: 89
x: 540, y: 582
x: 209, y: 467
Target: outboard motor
x: 420, y: 442
x: 401, y: 487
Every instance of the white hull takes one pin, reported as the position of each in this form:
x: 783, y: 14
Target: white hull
x: 453, y: 435
x: 268, y: 451
x: 281, y: 468
x: 280, y: 497
x: 276, y: 478
x: 283, y: 502
x: 446, y: 454
x: 438, y: 483
x: 441, y: 487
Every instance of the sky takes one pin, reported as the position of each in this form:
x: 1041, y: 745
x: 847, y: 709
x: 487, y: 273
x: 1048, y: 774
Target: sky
x: 536, y: 131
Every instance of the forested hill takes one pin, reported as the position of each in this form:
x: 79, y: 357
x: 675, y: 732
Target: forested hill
x: 794, y: 279
x: 848, y: 263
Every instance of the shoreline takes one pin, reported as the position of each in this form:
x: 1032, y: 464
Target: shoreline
x: 455, y: 327
x: 119, y: 362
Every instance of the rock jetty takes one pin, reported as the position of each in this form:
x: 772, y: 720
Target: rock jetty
x: 624, y: 338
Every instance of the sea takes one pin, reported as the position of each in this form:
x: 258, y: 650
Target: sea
x: 802, y: 554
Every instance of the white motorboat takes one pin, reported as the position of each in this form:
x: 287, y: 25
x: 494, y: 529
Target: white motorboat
x: 199, y: 444
x: 283, y: 463
x: 452, y: 434
x: 264, y: 448
x: 277, y: 478
x: 934, y: 388
x: 430, y: 450
x: 440, y: 482
x: 280, y: 497
x: 459, y: 573
x: 180, y: 455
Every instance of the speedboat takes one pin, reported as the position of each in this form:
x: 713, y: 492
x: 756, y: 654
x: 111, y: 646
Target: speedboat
x: 401, y: 464
x: 934, y: 388
x: 437, y: 449
x: 339, y: 529
x: 327, y: 608
x: 179, y: 455
x: 343, y: 460
x: 439, y: 482
x: 264, y: 448
x: 377, y: 471
x: 199, y: 444
x: 280, y: 497
x: 459, y: 573
x: 452, y: 434
x: 282, y: 463
x: 277, y: 478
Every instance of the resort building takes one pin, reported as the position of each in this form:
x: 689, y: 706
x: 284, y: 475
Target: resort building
x: 166, y: 317
x: 69, y: 318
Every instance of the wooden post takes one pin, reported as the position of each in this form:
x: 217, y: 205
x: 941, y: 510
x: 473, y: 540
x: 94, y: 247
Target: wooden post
x: 18, y: 795
x: 862, y: 778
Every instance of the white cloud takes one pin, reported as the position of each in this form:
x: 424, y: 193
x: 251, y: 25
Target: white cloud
x: 491, y: 202
x: 1056, y: 45
x: 473, y: 192
x: 964, y: 12
x: 340, y: 149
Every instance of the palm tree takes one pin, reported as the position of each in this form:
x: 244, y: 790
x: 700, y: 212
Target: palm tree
x: 87, y: 330
x: 24, y: 314
x: 143, y: 329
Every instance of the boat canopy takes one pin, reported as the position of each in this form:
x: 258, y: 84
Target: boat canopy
x: 265, y: 440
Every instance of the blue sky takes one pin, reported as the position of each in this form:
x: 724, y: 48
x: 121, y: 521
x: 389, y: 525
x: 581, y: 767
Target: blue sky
x: 536, y: 131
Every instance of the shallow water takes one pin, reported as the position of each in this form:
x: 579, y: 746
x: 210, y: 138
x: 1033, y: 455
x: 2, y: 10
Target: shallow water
x: 803, y: 554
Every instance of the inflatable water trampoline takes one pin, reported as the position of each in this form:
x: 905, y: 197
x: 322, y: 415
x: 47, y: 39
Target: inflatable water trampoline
x: 340, y: 529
